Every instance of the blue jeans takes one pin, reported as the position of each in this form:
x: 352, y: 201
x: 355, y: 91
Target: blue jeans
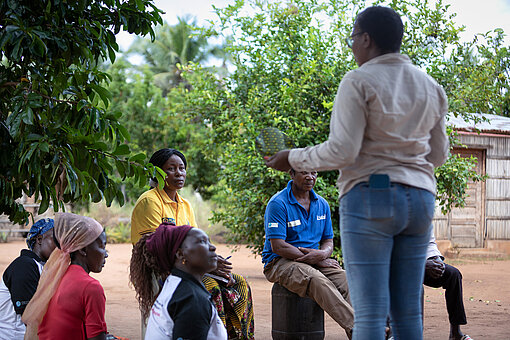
x: 385, y: 232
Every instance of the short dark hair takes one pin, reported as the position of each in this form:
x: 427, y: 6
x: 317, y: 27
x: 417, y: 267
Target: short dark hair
x: 383, y: 25
x: 160, y: 157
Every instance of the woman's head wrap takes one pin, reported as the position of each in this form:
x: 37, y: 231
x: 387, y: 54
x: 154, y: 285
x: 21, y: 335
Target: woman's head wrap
x: 73, y: 232
x: 39, y: 228
x: 164, y: 243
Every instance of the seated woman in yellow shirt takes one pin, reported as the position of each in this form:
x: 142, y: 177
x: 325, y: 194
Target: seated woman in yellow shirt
x: 231, y: 293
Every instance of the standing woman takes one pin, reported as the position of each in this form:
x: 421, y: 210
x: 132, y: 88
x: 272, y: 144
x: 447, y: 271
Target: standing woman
x: 183, y: 310
x: 20, y: 279
x: 68, y: 303
x: 387, y: 133
x: 231, y: 293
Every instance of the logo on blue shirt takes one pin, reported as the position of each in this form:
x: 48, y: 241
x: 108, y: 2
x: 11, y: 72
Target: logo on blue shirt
x: 321, y: 217
x: 293, y: 223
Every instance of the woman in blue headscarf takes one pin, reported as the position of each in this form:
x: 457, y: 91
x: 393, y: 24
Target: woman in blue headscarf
x: 20, y: 279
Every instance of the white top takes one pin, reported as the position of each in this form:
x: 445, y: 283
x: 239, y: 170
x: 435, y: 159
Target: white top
x: 388, y: 118
x: 432, y: 249
x: 11, y: 326
x: 160, y: 325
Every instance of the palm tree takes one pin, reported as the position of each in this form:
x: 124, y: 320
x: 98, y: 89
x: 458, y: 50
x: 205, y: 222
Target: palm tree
x: 174, y: 47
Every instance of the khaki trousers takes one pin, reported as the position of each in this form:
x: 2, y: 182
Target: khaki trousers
x: 327, y: 286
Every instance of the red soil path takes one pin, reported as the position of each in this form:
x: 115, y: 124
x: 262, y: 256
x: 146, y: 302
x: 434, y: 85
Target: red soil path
x: 486, y: 295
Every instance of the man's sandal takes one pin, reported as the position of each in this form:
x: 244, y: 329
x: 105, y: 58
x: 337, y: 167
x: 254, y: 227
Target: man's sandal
x: 466, y: 337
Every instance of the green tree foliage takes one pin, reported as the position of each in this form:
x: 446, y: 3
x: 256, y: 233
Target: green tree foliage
x: 57, y: 140
x: 289, y: 59
x: 175, y: 47
x: 477, y: 75
x: 452, y: 179
x: 156, y: 122
x: 141, y: 103
x: 153, y: 115
x: 287, y: 73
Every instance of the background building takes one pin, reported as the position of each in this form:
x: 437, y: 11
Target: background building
x: 485, y: 220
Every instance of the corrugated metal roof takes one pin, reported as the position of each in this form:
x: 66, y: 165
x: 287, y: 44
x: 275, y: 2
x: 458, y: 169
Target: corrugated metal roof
x: 493, y: 124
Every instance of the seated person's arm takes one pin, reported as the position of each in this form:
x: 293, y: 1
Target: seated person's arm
x: 320, y: 257
x: 284, y: 249
x: 316, y: 256
x: 224, y: 269
x: 326, y: 247
x: 94, y: 303
x: 21, y: 278
x: 326, y: 244
x: 434, y: 267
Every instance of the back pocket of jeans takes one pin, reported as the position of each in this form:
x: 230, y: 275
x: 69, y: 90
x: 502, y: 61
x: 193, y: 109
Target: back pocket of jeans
x: 380, y: 203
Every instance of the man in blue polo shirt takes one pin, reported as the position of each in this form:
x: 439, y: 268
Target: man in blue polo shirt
x: 298, y: 246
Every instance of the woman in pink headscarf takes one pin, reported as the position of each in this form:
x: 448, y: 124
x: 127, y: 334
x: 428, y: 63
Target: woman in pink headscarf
x: 68, y: 303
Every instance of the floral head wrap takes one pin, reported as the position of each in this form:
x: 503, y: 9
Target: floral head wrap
x: 39, y: 228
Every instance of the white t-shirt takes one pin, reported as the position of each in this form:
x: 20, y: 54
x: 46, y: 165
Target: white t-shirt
x: 11, y: 326
x: 161, y: 325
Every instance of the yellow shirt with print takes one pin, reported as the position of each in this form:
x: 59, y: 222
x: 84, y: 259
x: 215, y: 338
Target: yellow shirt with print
x: 154, y: 207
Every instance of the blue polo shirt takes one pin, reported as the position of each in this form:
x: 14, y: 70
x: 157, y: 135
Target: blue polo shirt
x: 288, y: 220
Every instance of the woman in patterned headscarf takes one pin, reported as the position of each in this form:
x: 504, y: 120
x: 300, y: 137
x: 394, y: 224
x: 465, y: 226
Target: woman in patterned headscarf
x: 65, y: 289
x: 19, y: 281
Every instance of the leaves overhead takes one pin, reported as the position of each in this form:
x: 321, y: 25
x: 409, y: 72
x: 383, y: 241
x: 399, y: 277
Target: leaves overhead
x: 152, y: 100
x: 57, y: 140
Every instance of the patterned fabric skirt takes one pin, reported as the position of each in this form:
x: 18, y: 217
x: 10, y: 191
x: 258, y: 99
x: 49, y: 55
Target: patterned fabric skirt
x: 234, y: 305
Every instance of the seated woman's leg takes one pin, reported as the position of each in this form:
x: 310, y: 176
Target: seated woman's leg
x: 240, y: 314
x: 234, y: 305
x: 213, y: 288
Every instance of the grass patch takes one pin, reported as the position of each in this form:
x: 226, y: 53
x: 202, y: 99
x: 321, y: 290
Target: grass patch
x: 120, y: 233
x: 203, y: 212
x: 116, y: 220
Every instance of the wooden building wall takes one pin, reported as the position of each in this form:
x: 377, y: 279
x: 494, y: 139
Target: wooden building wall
x: 487, y: 212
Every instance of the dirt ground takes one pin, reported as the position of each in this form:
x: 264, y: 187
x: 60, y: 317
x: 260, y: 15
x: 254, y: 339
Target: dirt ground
x: 486, y: 295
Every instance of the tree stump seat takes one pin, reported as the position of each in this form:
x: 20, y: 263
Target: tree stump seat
x: 295, y: 317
